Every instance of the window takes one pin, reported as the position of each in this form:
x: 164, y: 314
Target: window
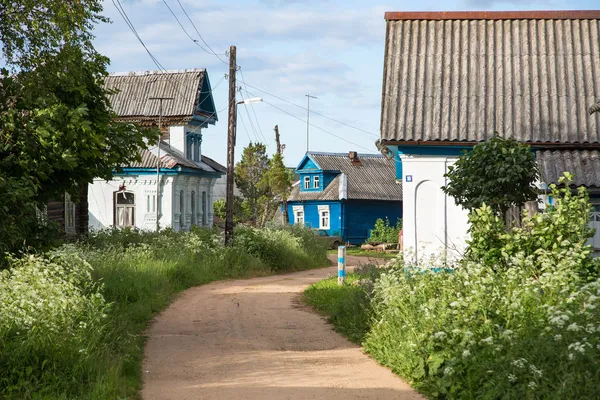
x: 204, y: 222
x: 193, y: 207
x: 299, y: 218
x: 69, y: 214
x: 124, y: 203
x: 151, y: 203
x: 197, y: 148
x: 307, y: 182
x: 316, y: 182
x: 189, y: 142
x: 181, y: 209
x: 324, y: 219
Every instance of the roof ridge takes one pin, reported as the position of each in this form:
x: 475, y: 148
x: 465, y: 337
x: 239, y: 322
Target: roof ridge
x: 491, y: 15
x: 157, y: 72
x: 323, y: 153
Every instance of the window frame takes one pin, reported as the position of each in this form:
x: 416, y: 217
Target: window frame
x: 70, y: 215
x: 130, y: 206
x: 322, y: 216
x: 181, y: 209
x: 193, y: 206
x: 316, y: 182
x: 204, y: 208
x: 307, y: 182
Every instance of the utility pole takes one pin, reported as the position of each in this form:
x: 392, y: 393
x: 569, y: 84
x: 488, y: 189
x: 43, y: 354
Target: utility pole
x: 286, y: 217
x: 160, y: 111
x: 308, y: 97
x: 230, y: 148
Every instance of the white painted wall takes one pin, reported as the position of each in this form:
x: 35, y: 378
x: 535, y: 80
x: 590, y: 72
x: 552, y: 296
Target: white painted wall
x: 433, y: 225
x: 101, y: 207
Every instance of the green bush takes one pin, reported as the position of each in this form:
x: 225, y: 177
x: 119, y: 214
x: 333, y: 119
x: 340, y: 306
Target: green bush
x: 383, y: 232
x: 72, y: 321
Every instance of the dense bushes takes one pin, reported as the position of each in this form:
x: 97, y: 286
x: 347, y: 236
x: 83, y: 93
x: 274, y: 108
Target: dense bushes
x: 71, y: 320
x: 517, y: 318
x: 384, y: 232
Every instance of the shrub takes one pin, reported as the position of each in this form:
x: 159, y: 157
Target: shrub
x: 383, y: 232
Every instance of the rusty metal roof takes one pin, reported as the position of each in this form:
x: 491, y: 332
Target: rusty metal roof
x: 583, y: 164
x: 133, y: 100
x: 171, y: 158
x: 374, y: 179
x: 459, y: 77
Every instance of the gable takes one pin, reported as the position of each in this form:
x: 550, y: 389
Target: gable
x: 458, y: 77
x: 205, y: 108
x: 307, y: 165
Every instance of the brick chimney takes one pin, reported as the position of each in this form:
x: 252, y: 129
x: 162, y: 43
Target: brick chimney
x: 353, y: 156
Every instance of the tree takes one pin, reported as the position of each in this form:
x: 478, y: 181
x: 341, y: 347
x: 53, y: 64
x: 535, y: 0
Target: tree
x: 250, y: 176
x: 57, y: 129
x: 279, y: 185
x: 499, y: 173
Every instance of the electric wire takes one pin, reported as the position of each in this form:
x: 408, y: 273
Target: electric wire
x: 182, y: 27
x: 315, y: 126
x: 245, y: 130
x: 252, y: 107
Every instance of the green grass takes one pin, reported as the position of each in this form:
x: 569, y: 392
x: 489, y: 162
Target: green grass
x: 347, y: 306
x: 117, y: 282
x: 363, y: 253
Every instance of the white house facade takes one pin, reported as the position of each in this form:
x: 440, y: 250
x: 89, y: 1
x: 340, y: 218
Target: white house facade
x: 453, y: 79
x: 173, y: 182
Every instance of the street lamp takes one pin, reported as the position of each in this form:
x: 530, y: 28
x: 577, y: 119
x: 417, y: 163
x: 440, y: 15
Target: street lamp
x: 230, y: 164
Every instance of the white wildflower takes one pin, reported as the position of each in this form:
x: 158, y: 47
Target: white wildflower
x: 488, y: 340
x: 439, y: 335
x: 512, y: 378
x: 532, y: 385
x: 466, y: 353
x: 558, y: 337
x: 573, y: 327
x: 520, y: 363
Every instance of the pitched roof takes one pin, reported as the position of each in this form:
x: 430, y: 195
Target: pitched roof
x: 584, y: 164
x: 461, y: 76
x: 133, y: 100
x: 171, y: 158
x: 375, y: 179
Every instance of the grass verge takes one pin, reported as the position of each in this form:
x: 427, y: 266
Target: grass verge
x: 363, y: 253
x: 72, y: 321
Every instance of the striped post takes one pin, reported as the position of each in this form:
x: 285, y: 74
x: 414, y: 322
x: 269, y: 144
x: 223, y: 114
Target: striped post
x: 341, y: 265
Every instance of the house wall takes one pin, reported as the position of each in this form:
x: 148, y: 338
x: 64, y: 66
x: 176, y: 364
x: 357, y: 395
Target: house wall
x: 55, y: 211
x: 433, y: 225
x: 311, y: 215
x: 101, y: 207
x: 361, y: 217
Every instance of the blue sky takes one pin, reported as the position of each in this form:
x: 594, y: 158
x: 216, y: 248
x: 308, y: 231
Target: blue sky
x: 331, y: 49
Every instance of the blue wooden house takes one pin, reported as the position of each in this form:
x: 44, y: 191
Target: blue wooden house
x: 344, y: 194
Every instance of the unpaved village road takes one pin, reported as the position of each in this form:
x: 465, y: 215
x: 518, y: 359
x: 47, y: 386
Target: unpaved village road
x: 252, y: 339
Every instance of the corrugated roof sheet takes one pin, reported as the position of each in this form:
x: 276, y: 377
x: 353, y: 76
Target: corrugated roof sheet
x: 462, y: 79
x: 375, y: 179
x: 132, y: 102
x: 584, y: 164
x: 171, y: 158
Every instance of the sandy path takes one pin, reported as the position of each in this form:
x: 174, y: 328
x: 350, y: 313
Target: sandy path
x: 252, y: 339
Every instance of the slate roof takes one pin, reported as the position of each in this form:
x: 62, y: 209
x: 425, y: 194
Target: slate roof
x: 132, y: 101
x: 375, y: 179
x: 584, y: 164
x: 171, y: 158
x: 460, y: 76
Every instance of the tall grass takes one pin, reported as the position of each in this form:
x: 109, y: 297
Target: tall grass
x: 72, y: 320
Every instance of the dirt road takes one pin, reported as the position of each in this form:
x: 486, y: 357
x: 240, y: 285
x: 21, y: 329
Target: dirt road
x: 253, y: 339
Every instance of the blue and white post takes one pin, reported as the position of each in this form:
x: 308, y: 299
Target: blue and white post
x: 341, y: 265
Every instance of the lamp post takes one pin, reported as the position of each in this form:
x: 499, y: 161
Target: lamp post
x: 231, y: 139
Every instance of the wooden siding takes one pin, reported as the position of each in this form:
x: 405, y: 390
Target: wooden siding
x: 56, y: 212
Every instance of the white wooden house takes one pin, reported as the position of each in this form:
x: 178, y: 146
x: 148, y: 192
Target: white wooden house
x: 186, y: 178
x: 451, y: 79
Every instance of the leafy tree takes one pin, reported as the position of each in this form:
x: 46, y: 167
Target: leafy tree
x: 56, y: 124
x: 250, y: 176
x: 499, y: 173
x: 278, y: 180
x: 239, y: 214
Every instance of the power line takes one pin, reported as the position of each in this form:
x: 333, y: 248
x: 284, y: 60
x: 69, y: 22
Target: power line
x: 199, y: 35
x: 253, y: 110
x: 184, y: 30
x: 254, y: 131
x: 315, y: 126
x: 312, y: 112
x: 245, y: 130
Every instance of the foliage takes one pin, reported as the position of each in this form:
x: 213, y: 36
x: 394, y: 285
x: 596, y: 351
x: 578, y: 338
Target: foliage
x: 500, y: 173
x: 383, y: 232
x: 72, y: 322
x: 250, y: 176
x: 563, y: 227
x: 56, y: 124
x: 518, y: 318
x: 279, y: 181
x: 239, y: 212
